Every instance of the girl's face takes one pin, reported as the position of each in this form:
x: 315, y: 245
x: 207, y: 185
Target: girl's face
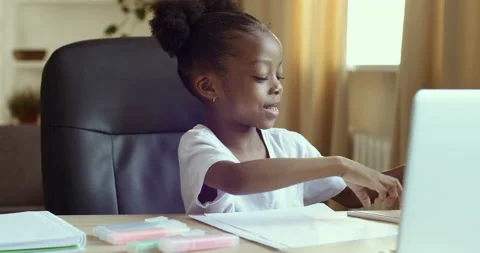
x: 251, y: 91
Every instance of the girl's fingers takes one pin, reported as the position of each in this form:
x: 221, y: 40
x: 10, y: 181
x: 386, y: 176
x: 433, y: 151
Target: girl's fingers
x: 364, y: 198
x: 390, y: 201
x: 382, y: 195
x: 378, y: 186
x: 393, y: 185
x: 400, y: 188
x: 393, y: 192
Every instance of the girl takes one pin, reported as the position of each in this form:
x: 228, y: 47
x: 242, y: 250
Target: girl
x: 237, y: 161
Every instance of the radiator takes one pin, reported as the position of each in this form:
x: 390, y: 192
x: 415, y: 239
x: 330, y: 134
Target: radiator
x: 371, y: 150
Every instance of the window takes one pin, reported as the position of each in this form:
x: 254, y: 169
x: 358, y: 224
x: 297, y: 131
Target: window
x: 374, y: 32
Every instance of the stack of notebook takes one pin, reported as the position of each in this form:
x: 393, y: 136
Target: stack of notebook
x: 39, y: 231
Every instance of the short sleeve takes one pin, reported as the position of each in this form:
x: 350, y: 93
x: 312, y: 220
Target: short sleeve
x: 318, y: 190
x: 197, y: 152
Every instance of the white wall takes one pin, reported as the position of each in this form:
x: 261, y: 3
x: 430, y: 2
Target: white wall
x: 2, y: 68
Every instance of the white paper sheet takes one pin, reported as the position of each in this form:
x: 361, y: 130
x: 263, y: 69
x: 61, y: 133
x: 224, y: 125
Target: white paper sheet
x: 298, y: 227
x: 236, y: 231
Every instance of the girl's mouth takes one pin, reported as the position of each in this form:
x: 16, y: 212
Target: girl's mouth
x: 272, y: 110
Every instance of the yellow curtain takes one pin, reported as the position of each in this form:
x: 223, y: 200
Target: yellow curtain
x: 313, y: 36
x: 441, y: 49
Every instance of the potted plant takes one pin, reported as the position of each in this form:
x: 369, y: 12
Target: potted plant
x: 25, y: 106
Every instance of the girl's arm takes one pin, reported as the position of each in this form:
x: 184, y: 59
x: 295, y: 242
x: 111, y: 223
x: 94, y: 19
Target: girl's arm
x: 348, y: 199
x: 270, y: 174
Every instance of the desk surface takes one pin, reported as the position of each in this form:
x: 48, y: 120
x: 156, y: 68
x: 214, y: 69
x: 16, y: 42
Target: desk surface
x: 87, y: 222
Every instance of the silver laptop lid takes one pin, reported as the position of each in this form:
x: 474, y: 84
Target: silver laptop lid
x: 441, y: 205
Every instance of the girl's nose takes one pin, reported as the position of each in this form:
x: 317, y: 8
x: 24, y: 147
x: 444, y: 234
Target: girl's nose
x: 276, y: 88
x: 277, y: 91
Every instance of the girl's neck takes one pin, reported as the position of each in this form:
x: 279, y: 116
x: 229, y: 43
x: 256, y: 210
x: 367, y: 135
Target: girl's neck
x: 235, y: 136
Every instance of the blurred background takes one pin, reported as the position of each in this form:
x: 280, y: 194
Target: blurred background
x: 351, y: 66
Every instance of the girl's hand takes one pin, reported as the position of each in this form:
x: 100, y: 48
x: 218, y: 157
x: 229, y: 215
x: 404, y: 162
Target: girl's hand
x: 358, y: 177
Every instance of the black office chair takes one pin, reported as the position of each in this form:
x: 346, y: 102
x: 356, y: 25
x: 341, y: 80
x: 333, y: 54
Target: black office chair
x: 113, y: 112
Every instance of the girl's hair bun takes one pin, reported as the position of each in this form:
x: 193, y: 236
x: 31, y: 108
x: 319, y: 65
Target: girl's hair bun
x: 221, y: 6
x: 172, y: 20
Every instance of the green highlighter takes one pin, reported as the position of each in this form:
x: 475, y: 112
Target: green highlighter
x: 144, y: 246
x: 151, y: 245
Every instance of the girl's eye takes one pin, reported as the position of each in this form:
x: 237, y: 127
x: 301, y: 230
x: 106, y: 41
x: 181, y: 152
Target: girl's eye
x: 258, y: 78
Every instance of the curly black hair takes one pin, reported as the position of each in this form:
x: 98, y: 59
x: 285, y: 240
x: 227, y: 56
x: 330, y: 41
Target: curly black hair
x: 198, y: 32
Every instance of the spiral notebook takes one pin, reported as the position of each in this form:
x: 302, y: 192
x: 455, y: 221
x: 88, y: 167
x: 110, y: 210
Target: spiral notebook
x: 39, y: 231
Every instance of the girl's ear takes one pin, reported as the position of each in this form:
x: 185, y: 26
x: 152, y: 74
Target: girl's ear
x: 207, y: 87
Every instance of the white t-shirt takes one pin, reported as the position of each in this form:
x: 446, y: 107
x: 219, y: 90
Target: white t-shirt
x: 199, y: 149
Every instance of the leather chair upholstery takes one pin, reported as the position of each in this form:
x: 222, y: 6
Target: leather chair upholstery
x: 113, y: 112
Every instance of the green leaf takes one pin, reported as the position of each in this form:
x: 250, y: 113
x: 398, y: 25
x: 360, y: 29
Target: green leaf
x: 111, y: 29
x: 141, y: 13
x: 125, y: 9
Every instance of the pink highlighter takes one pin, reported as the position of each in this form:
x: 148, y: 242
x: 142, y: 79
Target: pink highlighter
x: 129, y: 236
x: 194, y: 242
x: 123, y: 233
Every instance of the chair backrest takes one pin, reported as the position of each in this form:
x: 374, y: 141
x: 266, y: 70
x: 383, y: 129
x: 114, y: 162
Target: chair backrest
x: 113, y: 112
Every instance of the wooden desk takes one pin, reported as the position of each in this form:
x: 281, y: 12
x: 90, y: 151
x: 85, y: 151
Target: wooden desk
x: 87, y: 222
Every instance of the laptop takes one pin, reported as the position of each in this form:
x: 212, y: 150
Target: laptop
x: 441, y: 200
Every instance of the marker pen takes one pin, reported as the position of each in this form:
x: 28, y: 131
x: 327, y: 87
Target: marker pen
x: 143, y: 234
x: 102, y: 231
x: 180, y: 243
x: 151, y: 245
